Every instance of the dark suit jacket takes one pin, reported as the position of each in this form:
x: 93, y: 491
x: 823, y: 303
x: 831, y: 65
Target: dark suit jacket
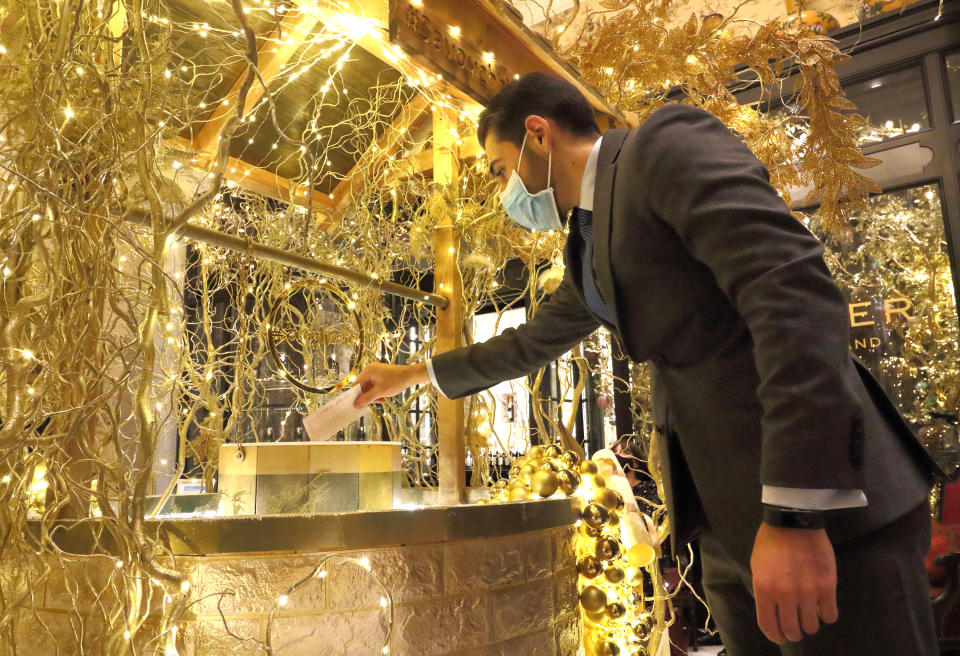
x: 711, y: 278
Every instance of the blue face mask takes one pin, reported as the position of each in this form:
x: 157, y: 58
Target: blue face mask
x: 536, y: 212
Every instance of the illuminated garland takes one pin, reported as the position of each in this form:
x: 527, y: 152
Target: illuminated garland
x: 620, y: 616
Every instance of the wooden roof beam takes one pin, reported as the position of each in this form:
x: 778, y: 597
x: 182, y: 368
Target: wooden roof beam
x: 385, y: 146
x: 422, y: 163
x: 256, y: 179
x: 274, y: 54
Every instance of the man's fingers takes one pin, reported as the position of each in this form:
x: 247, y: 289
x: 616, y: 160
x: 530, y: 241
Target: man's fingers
x: 809, y: 618
x: 367, y: 396
x: 767, y: 619
x: 789, y: 620
x: 828, y: 605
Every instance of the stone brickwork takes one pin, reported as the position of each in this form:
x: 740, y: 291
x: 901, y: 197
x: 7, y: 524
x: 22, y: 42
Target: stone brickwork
x: 480, y: 597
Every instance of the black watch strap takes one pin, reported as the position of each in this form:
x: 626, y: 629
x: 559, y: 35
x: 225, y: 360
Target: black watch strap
x: 793, y: 517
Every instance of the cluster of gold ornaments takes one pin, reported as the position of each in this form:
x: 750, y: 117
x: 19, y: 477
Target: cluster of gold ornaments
x: 542, y: 472
x: 611, y: 579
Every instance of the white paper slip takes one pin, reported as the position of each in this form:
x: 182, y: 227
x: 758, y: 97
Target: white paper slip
x: 324, y: 422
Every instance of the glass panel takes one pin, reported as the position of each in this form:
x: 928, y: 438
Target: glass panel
x: 895, y: 271
x: 893, y: 104
x: 953, y: 83
x: 505, y: 423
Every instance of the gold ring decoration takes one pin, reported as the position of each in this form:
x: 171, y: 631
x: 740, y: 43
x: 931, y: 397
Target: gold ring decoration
x: 273, y: 333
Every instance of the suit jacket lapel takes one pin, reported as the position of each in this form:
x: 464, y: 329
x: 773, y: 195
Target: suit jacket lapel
x: 571, y: 262
x: 602, y: 197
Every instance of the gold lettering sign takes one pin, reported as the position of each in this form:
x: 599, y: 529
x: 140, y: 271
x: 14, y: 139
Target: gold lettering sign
x: 860, y: 317
x: 472, y: 67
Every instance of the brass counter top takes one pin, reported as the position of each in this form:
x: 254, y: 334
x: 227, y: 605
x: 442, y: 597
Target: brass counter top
x: 330, y: 531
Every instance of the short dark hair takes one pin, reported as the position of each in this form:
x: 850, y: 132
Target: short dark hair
x: 543, y: 94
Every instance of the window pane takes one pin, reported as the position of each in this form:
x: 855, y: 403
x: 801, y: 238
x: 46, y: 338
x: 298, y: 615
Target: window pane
x: 893, y: 104
x: 895, y: 271
x: 506, y: 425
x: 953, y: 83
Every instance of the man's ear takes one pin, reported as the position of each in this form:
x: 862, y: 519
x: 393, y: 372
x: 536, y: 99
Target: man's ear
x: 539, y: 127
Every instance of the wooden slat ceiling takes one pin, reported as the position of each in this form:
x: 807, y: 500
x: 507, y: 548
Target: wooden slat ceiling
x: 211, y: 64
x: 217, y: 66
x: 297, y: 103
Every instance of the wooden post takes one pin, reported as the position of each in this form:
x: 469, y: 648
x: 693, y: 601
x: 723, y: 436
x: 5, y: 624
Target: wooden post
x: 448, y: 282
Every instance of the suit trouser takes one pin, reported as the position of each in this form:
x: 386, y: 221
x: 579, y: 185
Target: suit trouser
x: 883, y: 597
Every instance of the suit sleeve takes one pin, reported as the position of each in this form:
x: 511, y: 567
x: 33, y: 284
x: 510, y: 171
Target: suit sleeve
x: 559, y: 325
x: 708, y: 186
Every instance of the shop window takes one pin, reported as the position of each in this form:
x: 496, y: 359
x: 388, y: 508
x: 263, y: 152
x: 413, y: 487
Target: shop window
x: 502, y: 414
x: 894, y: 104
x: 953, y: 83
x: 895, y: 271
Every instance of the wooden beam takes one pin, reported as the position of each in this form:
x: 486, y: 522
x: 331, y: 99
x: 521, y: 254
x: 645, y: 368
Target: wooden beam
x: 422, y: 163
x: 449, y: 283
x: 116, y: 23
x: 274, y: 54
x: 478, y: 46
x: 254, y: 178
x: 384, y: 147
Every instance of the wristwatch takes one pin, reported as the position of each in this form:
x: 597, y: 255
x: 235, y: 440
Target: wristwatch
x: 793, y: 517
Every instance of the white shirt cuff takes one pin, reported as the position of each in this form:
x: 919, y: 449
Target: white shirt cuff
x: 433, y: 376
x: 813, y: 499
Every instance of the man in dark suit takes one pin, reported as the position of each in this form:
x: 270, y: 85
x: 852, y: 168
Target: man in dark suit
x: 778, y: 448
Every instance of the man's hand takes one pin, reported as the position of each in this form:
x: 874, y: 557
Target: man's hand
x: 794, y: 581
x: 378, y: 381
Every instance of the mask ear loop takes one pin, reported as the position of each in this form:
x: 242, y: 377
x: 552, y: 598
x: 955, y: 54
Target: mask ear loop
x: 549, y: 167
x: 520, y: 158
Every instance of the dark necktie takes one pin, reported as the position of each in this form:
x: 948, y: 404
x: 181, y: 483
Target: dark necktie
x: 584, y: 227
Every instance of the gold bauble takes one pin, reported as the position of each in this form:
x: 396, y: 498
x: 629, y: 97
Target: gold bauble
x: 588, y: 532
x: 597, y: 617
x: 569, y: 459
x: 595, y: 515
x: 480, y: 501
x: 640, y: 651
x: 535, y: 453
x: 552, y: 451
x: 609, y: 498
x: 641, y: 555
x: 520, y: 462
x: 643, y: 626
x: 620, y: 503
x: 544, y: 483
x: 569, y: 481
x: 519, y: 493
x: 514, y: 471
x: 527, y: 472
x: 550, y: 466
x: 615, y: 610
x: 607, y: 648
x: 589, y: 567
x: 593, y: 599
x: 501, y: 484
x: 614, y: 574
x: 614, y: 520
x: 607, y: 548
x: 587, y: 467
x: 594, y: 480
x: 635, y: 598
